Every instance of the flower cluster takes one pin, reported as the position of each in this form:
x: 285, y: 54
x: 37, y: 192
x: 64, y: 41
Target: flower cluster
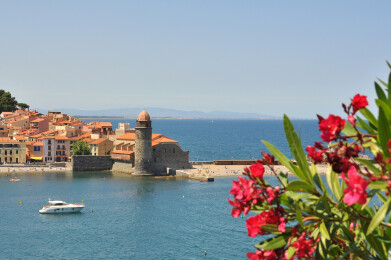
x: 301, y: 214
x: 272, y: 216
x: 304, y: 246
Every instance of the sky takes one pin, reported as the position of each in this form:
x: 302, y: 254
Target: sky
x: 299, y: 58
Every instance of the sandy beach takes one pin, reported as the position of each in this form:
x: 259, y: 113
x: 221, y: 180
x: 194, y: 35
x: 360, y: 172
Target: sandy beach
x: 31, y: 169
x: 210, y: 170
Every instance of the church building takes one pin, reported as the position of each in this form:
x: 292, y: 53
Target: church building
x: 152, y: 154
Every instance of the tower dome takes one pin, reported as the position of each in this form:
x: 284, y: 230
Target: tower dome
x: 143, y: 116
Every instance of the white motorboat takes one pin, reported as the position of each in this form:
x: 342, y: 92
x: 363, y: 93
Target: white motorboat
x: 59, y: 207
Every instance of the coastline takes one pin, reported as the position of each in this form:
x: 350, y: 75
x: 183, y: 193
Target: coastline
x: 214, y: 171
x: 201, y: 170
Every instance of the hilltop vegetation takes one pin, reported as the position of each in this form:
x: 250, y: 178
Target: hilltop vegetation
x: 9, y: 104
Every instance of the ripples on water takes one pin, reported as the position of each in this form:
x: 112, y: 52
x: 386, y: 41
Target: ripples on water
x: 132, y: 218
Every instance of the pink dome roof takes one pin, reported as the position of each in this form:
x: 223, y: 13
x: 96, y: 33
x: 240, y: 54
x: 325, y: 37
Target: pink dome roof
x: 143, y: 116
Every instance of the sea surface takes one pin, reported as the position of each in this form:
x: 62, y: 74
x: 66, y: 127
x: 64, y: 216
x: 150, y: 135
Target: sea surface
x: 226, y: 139
x: 141, y: 218
x: 125, y: 218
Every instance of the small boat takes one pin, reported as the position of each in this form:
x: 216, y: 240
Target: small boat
x: 59, y: 207
x: 14, y: 179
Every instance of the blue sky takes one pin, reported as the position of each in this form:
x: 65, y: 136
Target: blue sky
x: 268, y: 57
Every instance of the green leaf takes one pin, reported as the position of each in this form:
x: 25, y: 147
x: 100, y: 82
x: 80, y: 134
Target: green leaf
x: 380, y: 93
x: 378, y: 218
x: 291, y: 251
x: 378, y: 185
x: 384, y: 131
x: 276, y: 242
x: 369, y: 116
x: 332, y: 180
x: 382, y: 82
x: 298, y: 185
x: 299, y: 216
x: 377, y: 245
x: 364, y: 125
x: 349, y: 130
x: 381, y: 197
x: 297, y: 149
x: 386, y: 108
x: 370, y: 165
x: 323, y: 231
x: 281, y: 158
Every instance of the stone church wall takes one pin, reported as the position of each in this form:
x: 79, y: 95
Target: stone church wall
x: 169, y: 156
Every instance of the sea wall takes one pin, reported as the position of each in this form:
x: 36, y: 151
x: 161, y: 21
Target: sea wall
x: 122, y: 166
x: 91, y: 163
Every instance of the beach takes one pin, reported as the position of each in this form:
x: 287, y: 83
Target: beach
x: 31, y: 169
x: 210, y: 170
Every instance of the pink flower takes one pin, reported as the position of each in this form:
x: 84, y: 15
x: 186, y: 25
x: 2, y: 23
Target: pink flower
x: 262, y: 255
x: 316, y: 156
x: 245, y: 193
x: 352, y: 120
x: 257, y: 170
x: 254, y: 224
x: 304, y: 247
x: 272, y: 193
x: 359, y: 102
x: 330, y: 127
x: 356, y: 185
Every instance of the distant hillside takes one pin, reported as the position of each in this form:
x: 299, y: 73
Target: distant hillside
x: 159, y: 112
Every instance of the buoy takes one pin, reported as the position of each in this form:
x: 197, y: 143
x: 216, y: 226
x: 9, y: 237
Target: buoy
x: 183, y: 196
x: 205, y: 252
x: 81, y: 200
x: 20, y: 202
x: 242, y: 216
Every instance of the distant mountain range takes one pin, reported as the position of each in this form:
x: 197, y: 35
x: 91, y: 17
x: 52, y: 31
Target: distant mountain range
x: 157, y: 112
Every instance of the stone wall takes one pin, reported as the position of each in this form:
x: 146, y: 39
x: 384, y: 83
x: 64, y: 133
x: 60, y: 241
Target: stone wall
x: 91, y: 163
x: 123, y: 166
x: 169, y: 156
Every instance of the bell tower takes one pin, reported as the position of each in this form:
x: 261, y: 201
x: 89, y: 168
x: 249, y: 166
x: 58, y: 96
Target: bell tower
x: 143, y: 145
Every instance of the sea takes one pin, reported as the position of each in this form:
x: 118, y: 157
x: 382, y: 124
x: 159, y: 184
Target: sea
x: 142, y: 217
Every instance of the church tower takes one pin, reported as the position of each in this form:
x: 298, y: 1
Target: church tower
x: 143, y: 145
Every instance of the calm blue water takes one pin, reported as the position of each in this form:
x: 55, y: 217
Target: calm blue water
x: 226, y: 139
x: 141, y: 218
x: 132, y: 218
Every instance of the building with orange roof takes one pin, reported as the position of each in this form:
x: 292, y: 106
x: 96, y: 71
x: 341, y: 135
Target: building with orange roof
x: 40, y: 124
x: 12, y: 151
x: 150, y: 154
x: 21, y: 122
x: 56, y: 148
x: 101, y: 146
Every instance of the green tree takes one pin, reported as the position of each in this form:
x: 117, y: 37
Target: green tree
x: 23, y: 106
x: 81, y: 148
x: 7, y: 102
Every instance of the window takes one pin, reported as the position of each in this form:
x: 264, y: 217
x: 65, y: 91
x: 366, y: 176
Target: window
x: 154, y: 159
x: 5, y: 152
x: 49, y: 153
x: 17, y: 151
x: 38, y: 148
x: 173, y: 150
x: 17, y: 160
x: 49, y: 141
